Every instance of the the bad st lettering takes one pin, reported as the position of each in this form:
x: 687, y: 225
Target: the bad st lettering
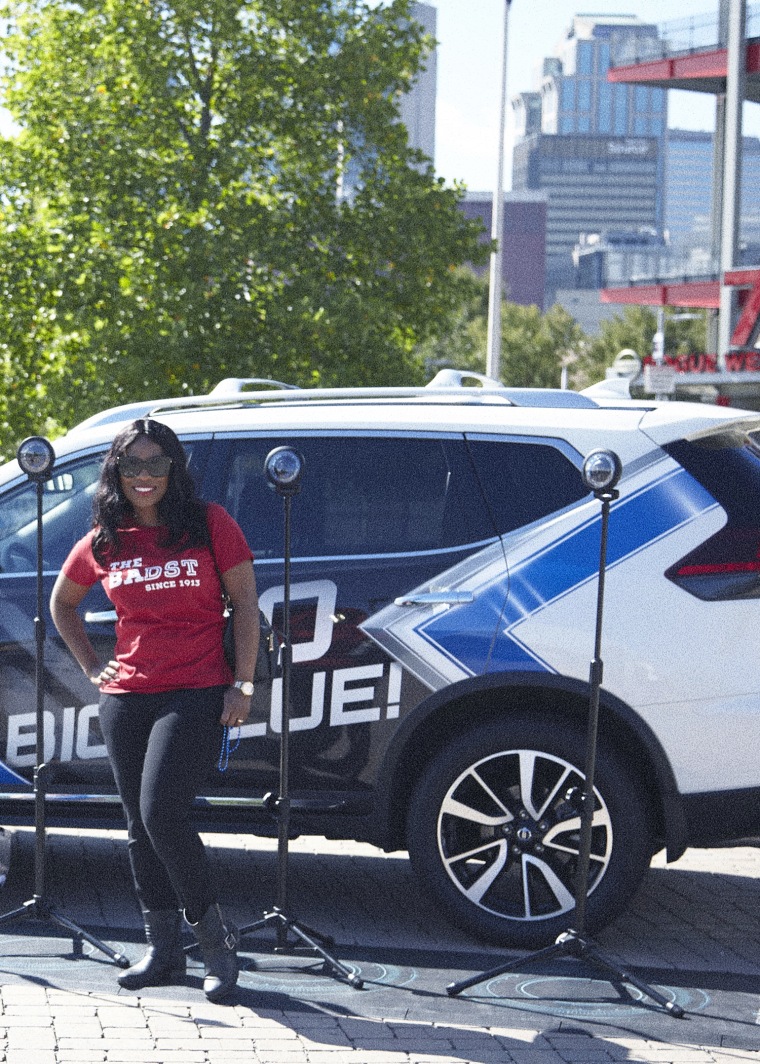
x: 181, y: 572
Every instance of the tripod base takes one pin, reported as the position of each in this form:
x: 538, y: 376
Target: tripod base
x: 574, y: 945
x: 36, y: 909
x: 305, y: 936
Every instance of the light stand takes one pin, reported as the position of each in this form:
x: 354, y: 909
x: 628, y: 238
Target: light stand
x: 284, y: 469
x: 36, y: 458
x: 601, y: 472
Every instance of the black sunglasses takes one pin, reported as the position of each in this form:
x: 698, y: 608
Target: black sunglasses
x: 157, y: 466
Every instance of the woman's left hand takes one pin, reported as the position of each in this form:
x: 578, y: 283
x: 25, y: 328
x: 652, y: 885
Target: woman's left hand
x: 237, y: 707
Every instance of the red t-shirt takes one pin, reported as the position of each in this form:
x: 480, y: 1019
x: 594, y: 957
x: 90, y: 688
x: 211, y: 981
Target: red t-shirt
x: 168, y: 604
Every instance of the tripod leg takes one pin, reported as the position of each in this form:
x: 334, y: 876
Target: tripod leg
x: 276, y: 916
x: 79, y: 934
x: 324, y: 940
x: 23, y: 910
x: 625, y: 976
x: 282, y: 929
x: 550, y: 951
x: 330, y: 962
x: 313, y: 939
x: 250, y: 928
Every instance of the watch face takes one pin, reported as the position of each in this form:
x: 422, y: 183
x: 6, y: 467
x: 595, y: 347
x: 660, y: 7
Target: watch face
x: 245, y: 686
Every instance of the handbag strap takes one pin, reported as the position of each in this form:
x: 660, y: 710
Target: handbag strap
x: 226, y: 600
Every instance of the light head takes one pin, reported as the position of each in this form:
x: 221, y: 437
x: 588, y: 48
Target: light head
x: 36, y: 457
x: 284, y: 468
x: 601, y: 472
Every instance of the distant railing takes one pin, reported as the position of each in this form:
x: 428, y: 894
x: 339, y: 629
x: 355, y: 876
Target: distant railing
x: 696, y: 33
x: 624, y: 268
x: 656, y: 265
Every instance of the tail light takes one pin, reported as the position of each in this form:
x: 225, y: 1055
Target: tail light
x: 726, y: 566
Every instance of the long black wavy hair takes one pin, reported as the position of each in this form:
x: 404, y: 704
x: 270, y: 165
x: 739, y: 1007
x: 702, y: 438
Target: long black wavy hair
x: 183, y: 513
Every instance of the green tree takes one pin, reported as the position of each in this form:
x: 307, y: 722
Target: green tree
x: 635, y: 329
x: 685, y: 331
x: 460, y: 340
x: 177, y: 181
x: 534, y: 346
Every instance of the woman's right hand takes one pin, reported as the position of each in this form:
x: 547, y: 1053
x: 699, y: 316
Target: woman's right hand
x: 103, y: 674
x: 67, y: 596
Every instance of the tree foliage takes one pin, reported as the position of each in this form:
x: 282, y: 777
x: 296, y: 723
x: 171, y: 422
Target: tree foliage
x: 534, y: 345
x: 170, y: 212
x: 635, y: 329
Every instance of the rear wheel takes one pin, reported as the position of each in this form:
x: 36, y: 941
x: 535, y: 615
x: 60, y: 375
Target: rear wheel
x: 494, y: 831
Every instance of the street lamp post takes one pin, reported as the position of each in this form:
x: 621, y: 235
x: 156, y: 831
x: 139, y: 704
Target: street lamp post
x: 736, y: 50
x: 493, y: 356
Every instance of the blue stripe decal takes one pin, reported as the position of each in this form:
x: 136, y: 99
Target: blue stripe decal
x: 636, y: 522
x: 8, y: 776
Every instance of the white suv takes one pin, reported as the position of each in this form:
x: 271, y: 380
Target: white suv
x: 443, y: 588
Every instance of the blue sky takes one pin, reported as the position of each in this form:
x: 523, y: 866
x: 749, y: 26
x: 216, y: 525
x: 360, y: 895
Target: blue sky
x: 469, y: 72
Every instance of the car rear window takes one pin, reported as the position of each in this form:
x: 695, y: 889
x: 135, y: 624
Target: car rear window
x: 727, y: 565
x: 525, y: 480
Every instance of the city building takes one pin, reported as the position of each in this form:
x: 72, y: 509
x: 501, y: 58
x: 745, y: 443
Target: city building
x: 524, y: 242
x: 418, y: 105
x: 724, y: 63
x: 582, y: 139
x: 613, y: 258
x: 689, y: 189
x: 416, y: 111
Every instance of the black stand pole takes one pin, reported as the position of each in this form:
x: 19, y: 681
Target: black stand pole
x: 284, y: 923
x: 37, y: 907
x: 574, y: 942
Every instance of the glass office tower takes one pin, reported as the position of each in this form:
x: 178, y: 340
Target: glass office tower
x: 599, y: 151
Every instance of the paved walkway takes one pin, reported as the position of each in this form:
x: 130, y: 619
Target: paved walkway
x: 692, y: 931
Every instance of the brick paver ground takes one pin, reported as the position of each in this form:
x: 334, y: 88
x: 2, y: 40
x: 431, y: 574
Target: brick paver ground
x: 692, y: 930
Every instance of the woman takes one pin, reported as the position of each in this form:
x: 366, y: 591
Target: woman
x: 161, y: 555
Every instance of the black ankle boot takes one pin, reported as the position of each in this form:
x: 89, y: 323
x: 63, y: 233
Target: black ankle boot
x: 218, y: 942
x: 164, y: 960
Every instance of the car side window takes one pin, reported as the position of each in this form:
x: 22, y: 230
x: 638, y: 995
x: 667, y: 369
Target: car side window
x: 66, y: 516
x: 525, y: 480
x: 360, y: 495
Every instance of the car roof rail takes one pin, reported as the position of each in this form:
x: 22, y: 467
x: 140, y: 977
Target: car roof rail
x: 448, y: 385
x: 231, y: 388
x: 235, y: 385
x: 455, y: 378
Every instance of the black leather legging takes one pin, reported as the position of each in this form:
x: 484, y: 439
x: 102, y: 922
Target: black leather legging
x: 162, y: 747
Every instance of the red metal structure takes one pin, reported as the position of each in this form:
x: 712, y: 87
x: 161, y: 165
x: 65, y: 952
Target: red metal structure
x: 702, y: 70
x: 700, y: 293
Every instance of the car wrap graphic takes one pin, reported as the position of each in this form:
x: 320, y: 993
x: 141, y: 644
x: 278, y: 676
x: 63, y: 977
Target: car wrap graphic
x: 443, y: 643
x: 499, y: 592
x: 10, y: 778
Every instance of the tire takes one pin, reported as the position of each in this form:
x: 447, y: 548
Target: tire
x: 493, y: 831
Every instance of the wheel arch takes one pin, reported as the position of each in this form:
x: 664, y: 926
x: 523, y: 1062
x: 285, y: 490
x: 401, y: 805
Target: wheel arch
x: 450, y: 711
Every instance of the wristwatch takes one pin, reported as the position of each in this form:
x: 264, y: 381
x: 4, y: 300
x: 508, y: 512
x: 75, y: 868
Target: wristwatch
x: 244, y: 686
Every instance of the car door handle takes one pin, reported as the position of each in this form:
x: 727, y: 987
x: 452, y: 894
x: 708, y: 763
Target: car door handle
x: 435, y: 598
x: 100, y: 617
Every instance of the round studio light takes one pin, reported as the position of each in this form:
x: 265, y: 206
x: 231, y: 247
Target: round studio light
x: 36, y: 457
x: 602, y: 470
x: 284, y: 468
